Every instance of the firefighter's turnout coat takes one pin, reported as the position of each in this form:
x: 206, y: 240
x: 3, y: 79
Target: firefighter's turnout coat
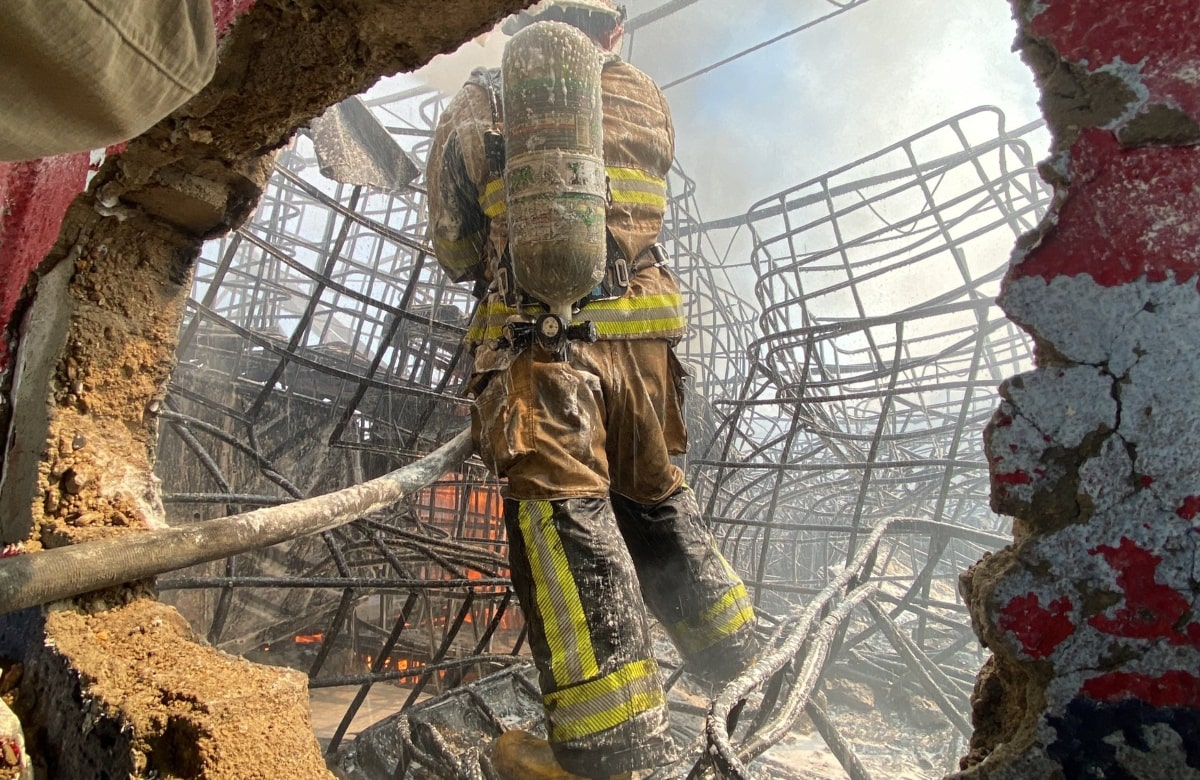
x: 594, y: 504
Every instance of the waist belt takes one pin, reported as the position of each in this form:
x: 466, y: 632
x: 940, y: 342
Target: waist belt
x: 655, y: 315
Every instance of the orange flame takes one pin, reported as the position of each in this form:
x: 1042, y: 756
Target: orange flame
x: 308, y: 639
x: 399, y: 664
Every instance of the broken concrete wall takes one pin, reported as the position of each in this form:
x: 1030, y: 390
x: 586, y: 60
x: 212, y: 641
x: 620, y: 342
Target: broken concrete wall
x: 1091, y: 614
x: 95, y: 348
x: 34, y: 196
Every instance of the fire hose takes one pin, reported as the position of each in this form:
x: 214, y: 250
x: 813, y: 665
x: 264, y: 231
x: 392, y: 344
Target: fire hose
x: 63, y: 572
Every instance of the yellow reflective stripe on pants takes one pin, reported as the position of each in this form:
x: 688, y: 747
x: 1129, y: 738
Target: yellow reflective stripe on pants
x: 723, y: 618
x: 604, y: 703
x: 571, y: 656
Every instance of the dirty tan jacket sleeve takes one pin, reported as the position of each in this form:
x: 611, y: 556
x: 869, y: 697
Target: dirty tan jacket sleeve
x: 456, y: 176
x: 639, y: 146
x: 83, y: 74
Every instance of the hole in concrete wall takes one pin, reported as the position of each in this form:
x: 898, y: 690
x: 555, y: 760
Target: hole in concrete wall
x: 851, y: 177
x: 176, y: 752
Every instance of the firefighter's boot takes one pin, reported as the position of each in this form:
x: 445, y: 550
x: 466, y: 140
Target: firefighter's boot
x: 517, y: 755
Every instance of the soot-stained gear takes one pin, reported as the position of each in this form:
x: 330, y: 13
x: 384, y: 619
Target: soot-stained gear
x: 600, y: 524
x: 469, y: 213
x: 601, y: 527
x: 606, y: 711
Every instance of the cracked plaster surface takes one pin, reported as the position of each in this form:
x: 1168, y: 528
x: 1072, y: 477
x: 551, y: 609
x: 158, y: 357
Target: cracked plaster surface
x: 1100, y: 601
x: 1091, y: 614
x: 1137, y: 348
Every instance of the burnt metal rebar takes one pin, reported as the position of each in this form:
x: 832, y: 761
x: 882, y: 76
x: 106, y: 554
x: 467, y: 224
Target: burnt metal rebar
x: 63, y: 572
x: 833, y: 414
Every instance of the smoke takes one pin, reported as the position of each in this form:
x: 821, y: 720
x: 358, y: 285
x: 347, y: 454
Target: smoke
x: 447, y: 72
x: 813, y: 101
x: 825, y: 96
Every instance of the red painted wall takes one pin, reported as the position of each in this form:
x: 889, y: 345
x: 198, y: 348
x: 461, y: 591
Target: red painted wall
x: 34, y: 195
x: 225, y: 11
x: 1097, y: 450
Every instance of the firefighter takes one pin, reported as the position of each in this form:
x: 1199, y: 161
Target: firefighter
x: 599, y: 520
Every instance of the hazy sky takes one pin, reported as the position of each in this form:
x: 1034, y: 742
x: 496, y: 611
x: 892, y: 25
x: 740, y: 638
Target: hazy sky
x: 823, y: 97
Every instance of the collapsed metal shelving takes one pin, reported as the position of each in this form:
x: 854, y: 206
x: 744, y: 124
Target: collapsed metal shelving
x: 835, y: 418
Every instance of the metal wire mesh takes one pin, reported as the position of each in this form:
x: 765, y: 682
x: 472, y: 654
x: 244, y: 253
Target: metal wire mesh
x: 322, y: 347
x: 878, y: 354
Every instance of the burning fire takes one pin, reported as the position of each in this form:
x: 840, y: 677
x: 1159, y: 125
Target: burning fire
x: 308, y: 639
x: 399, y: 664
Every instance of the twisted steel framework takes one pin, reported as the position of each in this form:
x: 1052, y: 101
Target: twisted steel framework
x: 835, y: 420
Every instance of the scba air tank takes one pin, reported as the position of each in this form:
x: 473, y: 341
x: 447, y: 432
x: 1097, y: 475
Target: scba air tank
x: 554, y: 171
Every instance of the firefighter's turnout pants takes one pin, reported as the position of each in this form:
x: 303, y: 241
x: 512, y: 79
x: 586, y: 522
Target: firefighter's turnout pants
x: 599, y: 519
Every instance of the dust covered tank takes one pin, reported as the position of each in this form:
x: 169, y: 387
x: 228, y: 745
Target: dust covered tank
x: 554, y: 173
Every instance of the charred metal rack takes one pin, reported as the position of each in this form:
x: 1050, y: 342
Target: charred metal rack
x: 835, y: 420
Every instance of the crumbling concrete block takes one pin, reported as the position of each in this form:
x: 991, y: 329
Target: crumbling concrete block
x: 80, y: 463
x: 1091, y: 614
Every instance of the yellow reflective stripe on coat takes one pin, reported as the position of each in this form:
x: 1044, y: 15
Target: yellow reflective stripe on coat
x: 722, y: 618
x: 460, y: 255
x: 492, y: 200
x: 635, y: 315
x: 604, y: 703
x: 625, y: 185
x: 630, y: 185
x: 572, y: 658
x: 644, y: 316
